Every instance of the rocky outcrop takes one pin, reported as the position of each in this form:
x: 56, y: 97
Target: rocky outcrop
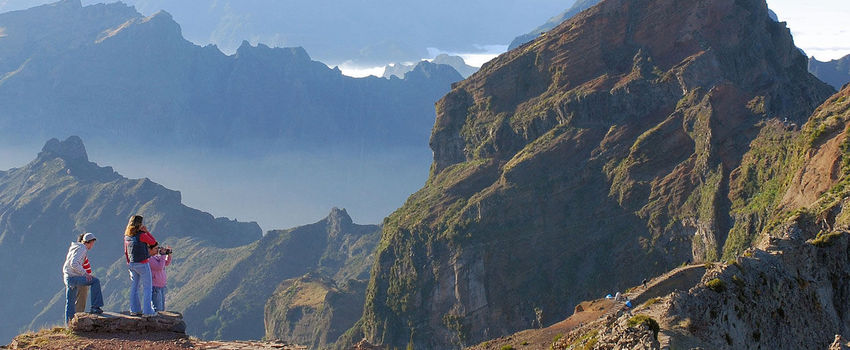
x: 110, y: 322
x: 595, y: 156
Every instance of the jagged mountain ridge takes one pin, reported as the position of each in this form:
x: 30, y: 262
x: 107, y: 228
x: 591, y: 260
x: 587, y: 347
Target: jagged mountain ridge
x: 834, y: 72
x: 60, y: 194
x: 400, y: 69
x: 101, y: 68
x: 641, y: 121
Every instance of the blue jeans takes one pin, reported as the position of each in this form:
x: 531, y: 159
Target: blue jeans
x: 158, y: 298
x: 140, y: 273
x: 71, y: 284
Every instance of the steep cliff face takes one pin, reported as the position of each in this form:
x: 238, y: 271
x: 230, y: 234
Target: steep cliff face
x: 45, y: 204
x: 582, y: 162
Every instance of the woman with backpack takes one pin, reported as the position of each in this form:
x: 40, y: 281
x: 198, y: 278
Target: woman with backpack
x: 137, y: 244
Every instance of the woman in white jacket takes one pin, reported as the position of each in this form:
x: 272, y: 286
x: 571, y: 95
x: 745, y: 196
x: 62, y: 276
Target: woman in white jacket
x: 75, y: 275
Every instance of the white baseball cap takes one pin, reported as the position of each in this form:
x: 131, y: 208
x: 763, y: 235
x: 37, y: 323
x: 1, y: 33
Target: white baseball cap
x: 89, y: 237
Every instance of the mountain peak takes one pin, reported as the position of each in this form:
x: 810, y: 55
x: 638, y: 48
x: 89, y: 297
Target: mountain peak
x: 339, y: 216
x: 427, y: 70
x: 70, y: 149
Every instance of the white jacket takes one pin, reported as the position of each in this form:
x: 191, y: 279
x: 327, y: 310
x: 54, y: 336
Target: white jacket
x: 74, y: 261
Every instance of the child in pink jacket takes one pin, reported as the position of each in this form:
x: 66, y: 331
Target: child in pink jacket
x: 158, y: 262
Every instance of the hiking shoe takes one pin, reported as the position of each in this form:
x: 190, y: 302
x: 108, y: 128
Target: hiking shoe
x: 96, y: 311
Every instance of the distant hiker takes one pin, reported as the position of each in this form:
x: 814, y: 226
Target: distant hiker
x: 160, y: 258
x: 618, y: 297
x: 628, y: 306
x: 82, y: 291
x: 137, y: 244
x: 75, y: 275
x: 644, y: 283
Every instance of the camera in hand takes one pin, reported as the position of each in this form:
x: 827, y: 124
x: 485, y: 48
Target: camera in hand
x: 164, y: 251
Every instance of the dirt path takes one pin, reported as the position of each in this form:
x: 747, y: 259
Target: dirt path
x: 591, y: 312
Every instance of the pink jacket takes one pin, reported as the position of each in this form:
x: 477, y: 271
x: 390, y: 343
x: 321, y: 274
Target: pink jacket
x: 158, y: 264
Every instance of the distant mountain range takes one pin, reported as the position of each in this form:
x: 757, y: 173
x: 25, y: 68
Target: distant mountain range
x: 117, y: 78
x: 335, y: 32
x: 106, y: 71
x: 834, y: 72
x: 398, y: 70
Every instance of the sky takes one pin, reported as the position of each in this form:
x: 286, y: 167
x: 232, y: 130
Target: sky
x: 820, y: 27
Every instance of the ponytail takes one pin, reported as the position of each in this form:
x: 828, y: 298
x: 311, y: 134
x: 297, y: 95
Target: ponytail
x: 80, y: 239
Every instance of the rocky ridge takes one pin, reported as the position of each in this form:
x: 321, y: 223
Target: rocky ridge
x: 641, y: 121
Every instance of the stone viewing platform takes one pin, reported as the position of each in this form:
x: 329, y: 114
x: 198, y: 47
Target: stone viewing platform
x: 110, y: 331
x: 111, y: 322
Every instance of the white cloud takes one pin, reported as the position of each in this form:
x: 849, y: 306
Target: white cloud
x: 352, y: 70
x: 476, y: 59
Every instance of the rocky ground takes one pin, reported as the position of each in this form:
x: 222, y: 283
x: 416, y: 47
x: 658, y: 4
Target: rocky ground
x: 112, y: 331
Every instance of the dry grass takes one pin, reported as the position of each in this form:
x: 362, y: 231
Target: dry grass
x: 310, y: 294
x: 43, y: 338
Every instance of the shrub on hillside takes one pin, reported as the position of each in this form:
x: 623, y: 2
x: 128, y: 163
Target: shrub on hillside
x: 637, y: 320
x: 716, y: 285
